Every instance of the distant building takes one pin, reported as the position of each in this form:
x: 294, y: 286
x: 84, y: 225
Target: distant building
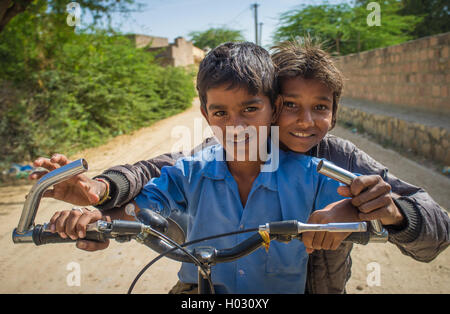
x: 179, y: 53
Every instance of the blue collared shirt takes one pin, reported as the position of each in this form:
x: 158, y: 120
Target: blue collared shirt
x: 202, y: 188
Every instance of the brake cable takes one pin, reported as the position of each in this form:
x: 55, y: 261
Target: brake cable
x: 177, y: 246
x: 146, y: 267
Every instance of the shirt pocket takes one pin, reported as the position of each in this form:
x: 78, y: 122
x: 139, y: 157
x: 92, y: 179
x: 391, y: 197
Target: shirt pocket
x: 286, y: 258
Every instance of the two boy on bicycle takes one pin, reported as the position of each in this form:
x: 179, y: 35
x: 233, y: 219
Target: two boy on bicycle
x: 237, y: 86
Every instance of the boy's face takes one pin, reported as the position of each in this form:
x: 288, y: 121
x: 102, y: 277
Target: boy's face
x: 236, y: 117
x: 306, y: 113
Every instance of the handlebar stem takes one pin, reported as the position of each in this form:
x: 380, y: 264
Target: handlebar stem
x: 339, y: 174
x: 24, y: 228
x: 34, y: 197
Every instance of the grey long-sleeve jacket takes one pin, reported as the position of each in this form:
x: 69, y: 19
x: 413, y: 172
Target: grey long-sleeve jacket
x: 425, y: 234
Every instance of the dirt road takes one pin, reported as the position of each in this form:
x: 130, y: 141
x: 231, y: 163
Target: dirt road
x: 26, y: 268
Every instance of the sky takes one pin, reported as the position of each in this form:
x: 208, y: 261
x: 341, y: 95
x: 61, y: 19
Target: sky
x: 174, y: 18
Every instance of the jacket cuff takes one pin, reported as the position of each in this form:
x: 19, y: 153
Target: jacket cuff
x: 413, y: 225
x: 119, y: 189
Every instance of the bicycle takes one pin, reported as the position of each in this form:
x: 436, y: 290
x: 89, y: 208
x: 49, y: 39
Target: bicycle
x: 167, y: 237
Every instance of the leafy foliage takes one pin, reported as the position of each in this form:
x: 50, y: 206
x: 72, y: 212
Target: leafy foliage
x: 64, y: 91
x: 213, y: 37
x: 435, y: 13
x: 344, y: 27
x: 97, y: 9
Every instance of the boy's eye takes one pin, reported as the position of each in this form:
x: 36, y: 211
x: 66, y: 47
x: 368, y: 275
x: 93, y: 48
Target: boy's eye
x: 250, y: 109
x: 321, y: 107
x: 289, y: 104
x: 219, y: 113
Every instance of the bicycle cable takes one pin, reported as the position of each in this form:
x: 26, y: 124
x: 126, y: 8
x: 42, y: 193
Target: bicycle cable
x: 177, y: 246
x: 146, y: 267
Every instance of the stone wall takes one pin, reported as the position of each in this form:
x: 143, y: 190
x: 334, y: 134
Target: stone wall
x: 431, y: 142
x: 400, y: 95
x: 415, y: 74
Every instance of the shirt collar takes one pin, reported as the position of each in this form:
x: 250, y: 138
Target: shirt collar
x: 217, y: 169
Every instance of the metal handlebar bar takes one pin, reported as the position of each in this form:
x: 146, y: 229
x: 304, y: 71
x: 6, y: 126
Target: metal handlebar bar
x: 332, y: 171
x: 155, y: 233
x: 123, y: 230
x: 27, y: 232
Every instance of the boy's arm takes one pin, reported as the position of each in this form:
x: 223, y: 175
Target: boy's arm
x: 166, y: 193
x: 126, y: 181
x: 329, y: 207
x: 426, y: 230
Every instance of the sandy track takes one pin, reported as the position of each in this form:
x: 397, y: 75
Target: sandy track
x: 26, y: 268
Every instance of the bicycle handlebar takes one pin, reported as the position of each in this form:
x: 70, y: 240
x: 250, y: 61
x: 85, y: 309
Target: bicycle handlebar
x: 126, y: 230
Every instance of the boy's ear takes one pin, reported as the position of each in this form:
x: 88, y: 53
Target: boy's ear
x: 277, y: 109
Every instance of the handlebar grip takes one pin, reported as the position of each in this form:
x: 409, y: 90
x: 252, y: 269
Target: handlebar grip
x: 358, y: 238
x: 41, y: 237
x: 288, y: 227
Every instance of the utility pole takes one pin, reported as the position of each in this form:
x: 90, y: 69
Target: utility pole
x: 255, y: 7
x: 260, y: 34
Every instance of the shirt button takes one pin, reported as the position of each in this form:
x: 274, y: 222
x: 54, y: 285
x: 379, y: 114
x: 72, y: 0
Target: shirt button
x: 241, y: 227
x: 241, y: 272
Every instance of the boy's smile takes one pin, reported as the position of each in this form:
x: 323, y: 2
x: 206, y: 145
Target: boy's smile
x: 236, y: 117
x: 306, y: 113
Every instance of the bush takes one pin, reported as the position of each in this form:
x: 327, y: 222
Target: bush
x: 95, y: 86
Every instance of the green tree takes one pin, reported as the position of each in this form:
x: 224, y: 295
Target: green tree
x: 213, y: 37
x: 10, y: 8
x: 435, y: 13
x: 345, y: 28
x: 65, y: 90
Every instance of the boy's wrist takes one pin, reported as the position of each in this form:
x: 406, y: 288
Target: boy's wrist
x: 102, y: 190
x: 119, y: 189
x: 412, y: 226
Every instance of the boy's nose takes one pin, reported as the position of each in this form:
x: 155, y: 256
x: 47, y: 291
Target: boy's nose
x: 305, y: 119
x: 238, y: 121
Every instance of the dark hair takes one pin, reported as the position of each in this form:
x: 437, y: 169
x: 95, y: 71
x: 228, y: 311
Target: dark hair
x: 308, y: 60
x: 241, y: 64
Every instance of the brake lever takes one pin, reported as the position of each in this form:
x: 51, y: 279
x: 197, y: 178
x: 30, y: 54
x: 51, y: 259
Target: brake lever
x: 121, y: 230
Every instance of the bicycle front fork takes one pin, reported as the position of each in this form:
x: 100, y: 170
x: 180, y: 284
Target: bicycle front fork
x: 204, y: 286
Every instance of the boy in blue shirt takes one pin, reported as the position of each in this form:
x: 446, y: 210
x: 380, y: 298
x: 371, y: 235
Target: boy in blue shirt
x: 230, y: 186
x: 310, y: 88
x: 220, y: 193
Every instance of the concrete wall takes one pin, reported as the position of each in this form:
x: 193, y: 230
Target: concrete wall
x: 142, y: 41
x: 431, y: 142
x: 180, y: 53
x: 414, y: 74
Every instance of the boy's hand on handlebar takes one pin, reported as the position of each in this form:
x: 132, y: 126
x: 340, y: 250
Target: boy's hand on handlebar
x: 341, y: 211
x: 371, y: 195
x: 78, y: 190
x: 72, y: 224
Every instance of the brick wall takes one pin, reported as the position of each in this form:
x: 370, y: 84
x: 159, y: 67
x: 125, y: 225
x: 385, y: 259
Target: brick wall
x: 414, y: 74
